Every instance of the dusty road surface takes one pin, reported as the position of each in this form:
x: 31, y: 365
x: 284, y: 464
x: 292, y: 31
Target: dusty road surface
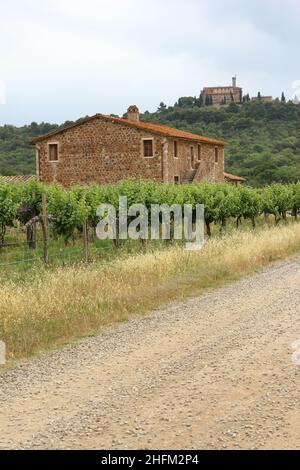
x: 214, y: 372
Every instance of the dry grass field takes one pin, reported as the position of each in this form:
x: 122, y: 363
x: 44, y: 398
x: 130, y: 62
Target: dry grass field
x: 67, y: 303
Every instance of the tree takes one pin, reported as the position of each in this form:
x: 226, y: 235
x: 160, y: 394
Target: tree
x: 233, y: 108
x: 162, y: 107
x: 208, y: 100
x: 283, y: 99
x: 186, y: 102
x: 250, y: 204
x: 246, y: 98
x: 278, y: 200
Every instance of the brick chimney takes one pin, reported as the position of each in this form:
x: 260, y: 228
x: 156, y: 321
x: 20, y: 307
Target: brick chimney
x: 234, y: 82
x: 133, y: 113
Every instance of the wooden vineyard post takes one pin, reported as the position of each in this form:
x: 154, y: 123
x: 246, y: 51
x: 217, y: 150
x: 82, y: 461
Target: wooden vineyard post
x: 31, y: 235
x: 86, y: 241
x: 34, y: 243
x: 34, y: 232
x: 45, y: 228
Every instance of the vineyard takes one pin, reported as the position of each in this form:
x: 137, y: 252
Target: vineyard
x: 32, y: 213
x: 90, y: 283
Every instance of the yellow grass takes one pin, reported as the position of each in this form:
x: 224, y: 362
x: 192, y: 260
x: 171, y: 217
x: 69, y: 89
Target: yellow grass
x: 73, y: 302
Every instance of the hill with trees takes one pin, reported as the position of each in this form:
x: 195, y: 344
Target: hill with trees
x: 17, y: 155
x: 263, y: 137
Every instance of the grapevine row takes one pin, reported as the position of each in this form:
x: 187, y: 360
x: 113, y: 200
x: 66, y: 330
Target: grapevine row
x: 20, y: 202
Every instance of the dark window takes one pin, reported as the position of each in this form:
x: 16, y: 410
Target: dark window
x: 216, y: 154
x: 53, y: 152
x: 175, y: 150
x: 148, y: 148
x: 192, y: 157
x: 199, y: 152
x: 176, y: 180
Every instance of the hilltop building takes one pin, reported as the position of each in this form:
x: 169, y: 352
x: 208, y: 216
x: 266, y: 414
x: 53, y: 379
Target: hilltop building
x: 222, y: 95
x: 265, y: 99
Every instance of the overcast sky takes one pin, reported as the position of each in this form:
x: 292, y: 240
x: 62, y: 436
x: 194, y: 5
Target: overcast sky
x: 63, y: 59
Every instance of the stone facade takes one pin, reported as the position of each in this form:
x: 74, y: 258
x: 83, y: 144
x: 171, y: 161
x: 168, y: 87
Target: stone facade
x: 224, y: 94
x: 104, y: 149
x: 265, y: 99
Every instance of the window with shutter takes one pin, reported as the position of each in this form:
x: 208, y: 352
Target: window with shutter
x: 53, y: 152
x: 148, y: 148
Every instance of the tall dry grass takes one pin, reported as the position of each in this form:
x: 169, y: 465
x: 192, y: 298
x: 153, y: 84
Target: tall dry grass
x: 73, y: 302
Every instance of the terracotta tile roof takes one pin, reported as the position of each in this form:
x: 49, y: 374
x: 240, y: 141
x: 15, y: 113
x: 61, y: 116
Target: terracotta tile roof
x: 230, y: 177
x: 17, y: 178
x: 149, y: 126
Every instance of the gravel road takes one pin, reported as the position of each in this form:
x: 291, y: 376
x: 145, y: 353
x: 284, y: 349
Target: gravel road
x: 213, y: 372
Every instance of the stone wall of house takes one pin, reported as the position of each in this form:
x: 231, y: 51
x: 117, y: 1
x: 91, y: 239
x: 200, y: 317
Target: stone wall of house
x: 103, y: 151
x: 203, y: 168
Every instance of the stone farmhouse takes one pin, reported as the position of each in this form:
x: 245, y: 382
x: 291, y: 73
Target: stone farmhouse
x: 223, y: 94
x: 105, y: 149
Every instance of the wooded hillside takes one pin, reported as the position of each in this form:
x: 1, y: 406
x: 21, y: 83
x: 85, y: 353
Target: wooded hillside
x: 263, y: 138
